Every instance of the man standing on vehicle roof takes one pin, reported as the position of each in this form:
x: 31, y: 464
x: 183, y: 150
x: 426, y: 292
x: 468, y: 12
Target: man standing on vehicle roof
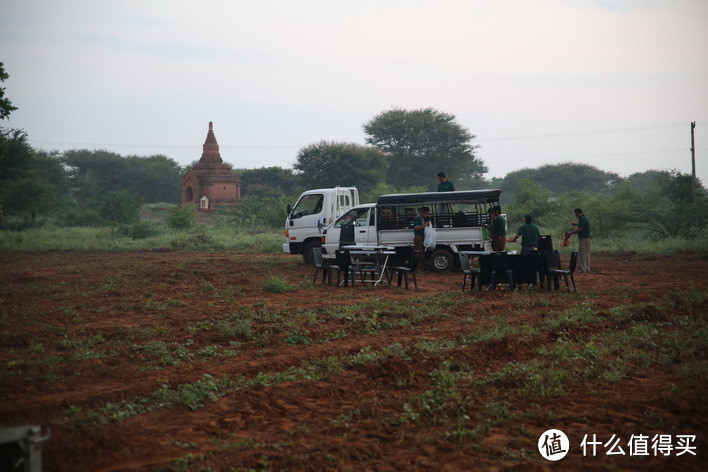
x: 497, y: 227
x: 444, y: 185
x: 583, y: 232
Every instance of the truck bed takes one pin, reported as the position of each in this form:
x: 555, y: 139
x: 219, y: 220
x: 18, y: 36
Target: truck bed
x: 445, y: 236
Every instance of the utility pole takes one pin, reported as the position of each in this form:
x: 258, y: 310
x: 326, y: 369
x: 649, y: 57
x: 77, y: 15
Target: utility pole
x: 693, y: 165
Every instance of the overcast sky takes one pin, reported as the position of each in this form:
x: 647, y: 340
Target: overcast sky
x: 614, y: 84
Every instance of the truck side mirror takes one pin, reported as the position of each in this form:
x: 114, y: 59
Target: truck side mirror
x: 289, y: 209
x: 320, y: 224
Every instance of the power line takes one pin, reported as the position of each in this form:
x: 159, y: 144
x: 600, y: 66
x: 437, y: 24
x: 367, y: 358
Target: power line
x: 583, y: 133
x: 496, y: 139
x: 594, y: 156
x: 161, y: 146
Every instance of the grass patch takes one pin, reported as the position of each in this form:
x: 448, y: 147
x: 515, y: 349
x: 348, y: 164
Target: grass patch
x: 143, y: 237
x: 277, y: 285
x: 192, y: 395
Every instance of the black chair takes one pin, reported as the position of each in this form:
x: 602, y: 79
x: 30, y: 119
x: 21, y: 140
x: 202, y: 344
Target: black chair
x: 344, y: 261
x: 500, y: 266
x: 569, y: 272
x: 405, y: 262
x: 553, y: 271
x: 472, y: 273
x: 545, y: 243
x: 364, y: 269
x: 326, y: 269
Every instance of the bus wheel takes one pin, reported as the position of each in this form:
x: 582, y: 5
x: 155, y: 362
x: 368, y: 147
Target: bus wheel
x: 440, y: 260
x: 307, y: 255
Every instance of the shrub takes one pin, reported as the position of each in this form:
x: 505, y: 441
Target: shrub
x: 198, y: 241
x: 277, y: 285
x: 183, y: 217
x: 119, y: 207
x: 138, y: 230
x: 83, y: 217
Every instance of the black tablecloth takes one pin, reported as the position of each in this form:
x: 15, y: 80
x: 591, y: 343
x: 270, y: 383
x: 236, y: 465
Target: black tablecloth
x: 525, y: 267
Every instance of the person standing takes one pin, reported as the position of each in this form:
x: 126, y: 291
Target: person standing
x: 583, y: 232
x: 497, y: 227
x: 444, y: 185
x: 530, y: 235
x: 420, y: 221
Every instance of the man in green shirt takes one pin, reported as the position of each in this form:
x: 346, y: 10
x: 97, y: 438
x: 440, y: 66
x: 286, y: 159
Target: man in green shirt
x: 583, y: 232
x: 444, y: 185
x: 419, y: 224
x: 529, y: 234
x: 497, y: 228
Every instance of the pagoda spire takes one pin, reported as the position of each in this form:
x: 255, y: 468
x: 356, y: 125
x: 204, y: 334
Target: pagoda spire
x: 210, y: 150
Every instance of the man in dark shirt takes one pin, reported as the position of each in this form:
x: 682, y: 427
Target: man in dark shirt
x: 529, y: 234
x: 583, y: 232
x: 497, y: 228
x: 419, y: 223
x: 444, y: 185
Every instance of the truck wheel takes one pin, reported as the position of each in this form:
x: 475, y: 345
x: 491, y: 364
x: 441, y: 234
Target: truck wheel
x: 440, y: 260
x: 307, y: 255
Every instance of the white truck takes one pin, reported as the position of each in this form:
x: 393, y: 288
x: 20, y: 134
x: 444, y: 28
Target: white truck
x: 459, y: 218
x: 314, y: 210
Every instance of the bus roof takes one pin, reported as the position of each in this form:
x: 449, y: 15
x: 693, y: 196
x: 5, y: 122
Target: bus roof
x: 436, y: 198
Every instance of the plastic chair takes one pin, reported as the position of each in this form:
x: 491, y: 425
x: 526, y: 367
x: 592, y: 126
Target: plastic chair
x: 569, y: 272
x: 500, y: 265
x: 344, y: 261
x: 553, y: 271
x: 470, y: 272
x: 406, y: 262
x: 325, y: 268
x: 545, y: 243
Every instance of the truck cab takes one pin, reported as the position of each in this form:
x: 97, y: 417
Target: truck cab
x: 312, y: 211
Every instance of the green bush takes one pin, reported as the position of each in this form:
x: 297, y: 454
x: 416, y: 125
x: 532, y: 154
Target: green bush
x: 138, y: 230
x: 83, y: 217
x: 277, y: 285
x: 194, y: 241
x: 119, y: 207
x: 256, y: 212
x: 183, y: 217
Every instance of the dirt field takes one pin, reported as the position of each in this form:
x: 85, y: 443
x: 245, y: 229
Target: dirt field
x: 171, y: 361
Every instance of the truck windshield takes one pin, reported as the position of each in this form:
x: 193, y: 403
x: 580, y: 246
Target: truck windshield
x: 308, y: 205
x: 356, y: 217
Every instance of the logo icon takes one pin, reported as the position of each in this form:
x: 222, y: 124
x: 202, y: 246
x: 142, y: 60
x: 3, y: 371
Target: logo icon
x: 553, y: 445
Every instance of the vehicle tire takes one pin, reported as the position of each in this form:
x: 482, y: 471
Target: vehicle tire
x: 307, y: 255
x: 441, y: 260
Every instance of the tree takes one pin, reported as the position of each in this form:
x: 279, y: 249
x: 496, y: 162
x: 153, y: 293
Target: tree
x: 420, y: 143
x: 666, y: 208
x: 119, y: 206
x: 25, y: 179
x: 329, y: 163
x: 561, y: 178
x: 268, y: 182
x: 678, y: 215
x: 6, y: 106
x: 646, y: 182
x: 150, y: 179
x: 534, y: 199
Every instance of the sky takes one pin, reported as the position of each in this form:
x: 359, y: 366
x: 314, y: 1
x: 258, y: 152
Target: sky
x: 613, y: 84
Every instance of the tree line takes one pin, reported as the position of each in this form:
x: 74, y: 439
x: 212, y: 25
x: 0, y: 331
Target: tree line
x: 404, y: 150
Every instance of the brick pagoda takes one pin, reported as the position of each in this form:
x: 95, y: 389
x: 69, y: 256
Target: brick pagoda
x: 210, y: 184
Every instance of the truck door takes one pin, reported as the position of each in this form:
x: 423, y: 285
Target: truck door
x: 352, y: 228
x: 307, y: 212
x: 362, y: 230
